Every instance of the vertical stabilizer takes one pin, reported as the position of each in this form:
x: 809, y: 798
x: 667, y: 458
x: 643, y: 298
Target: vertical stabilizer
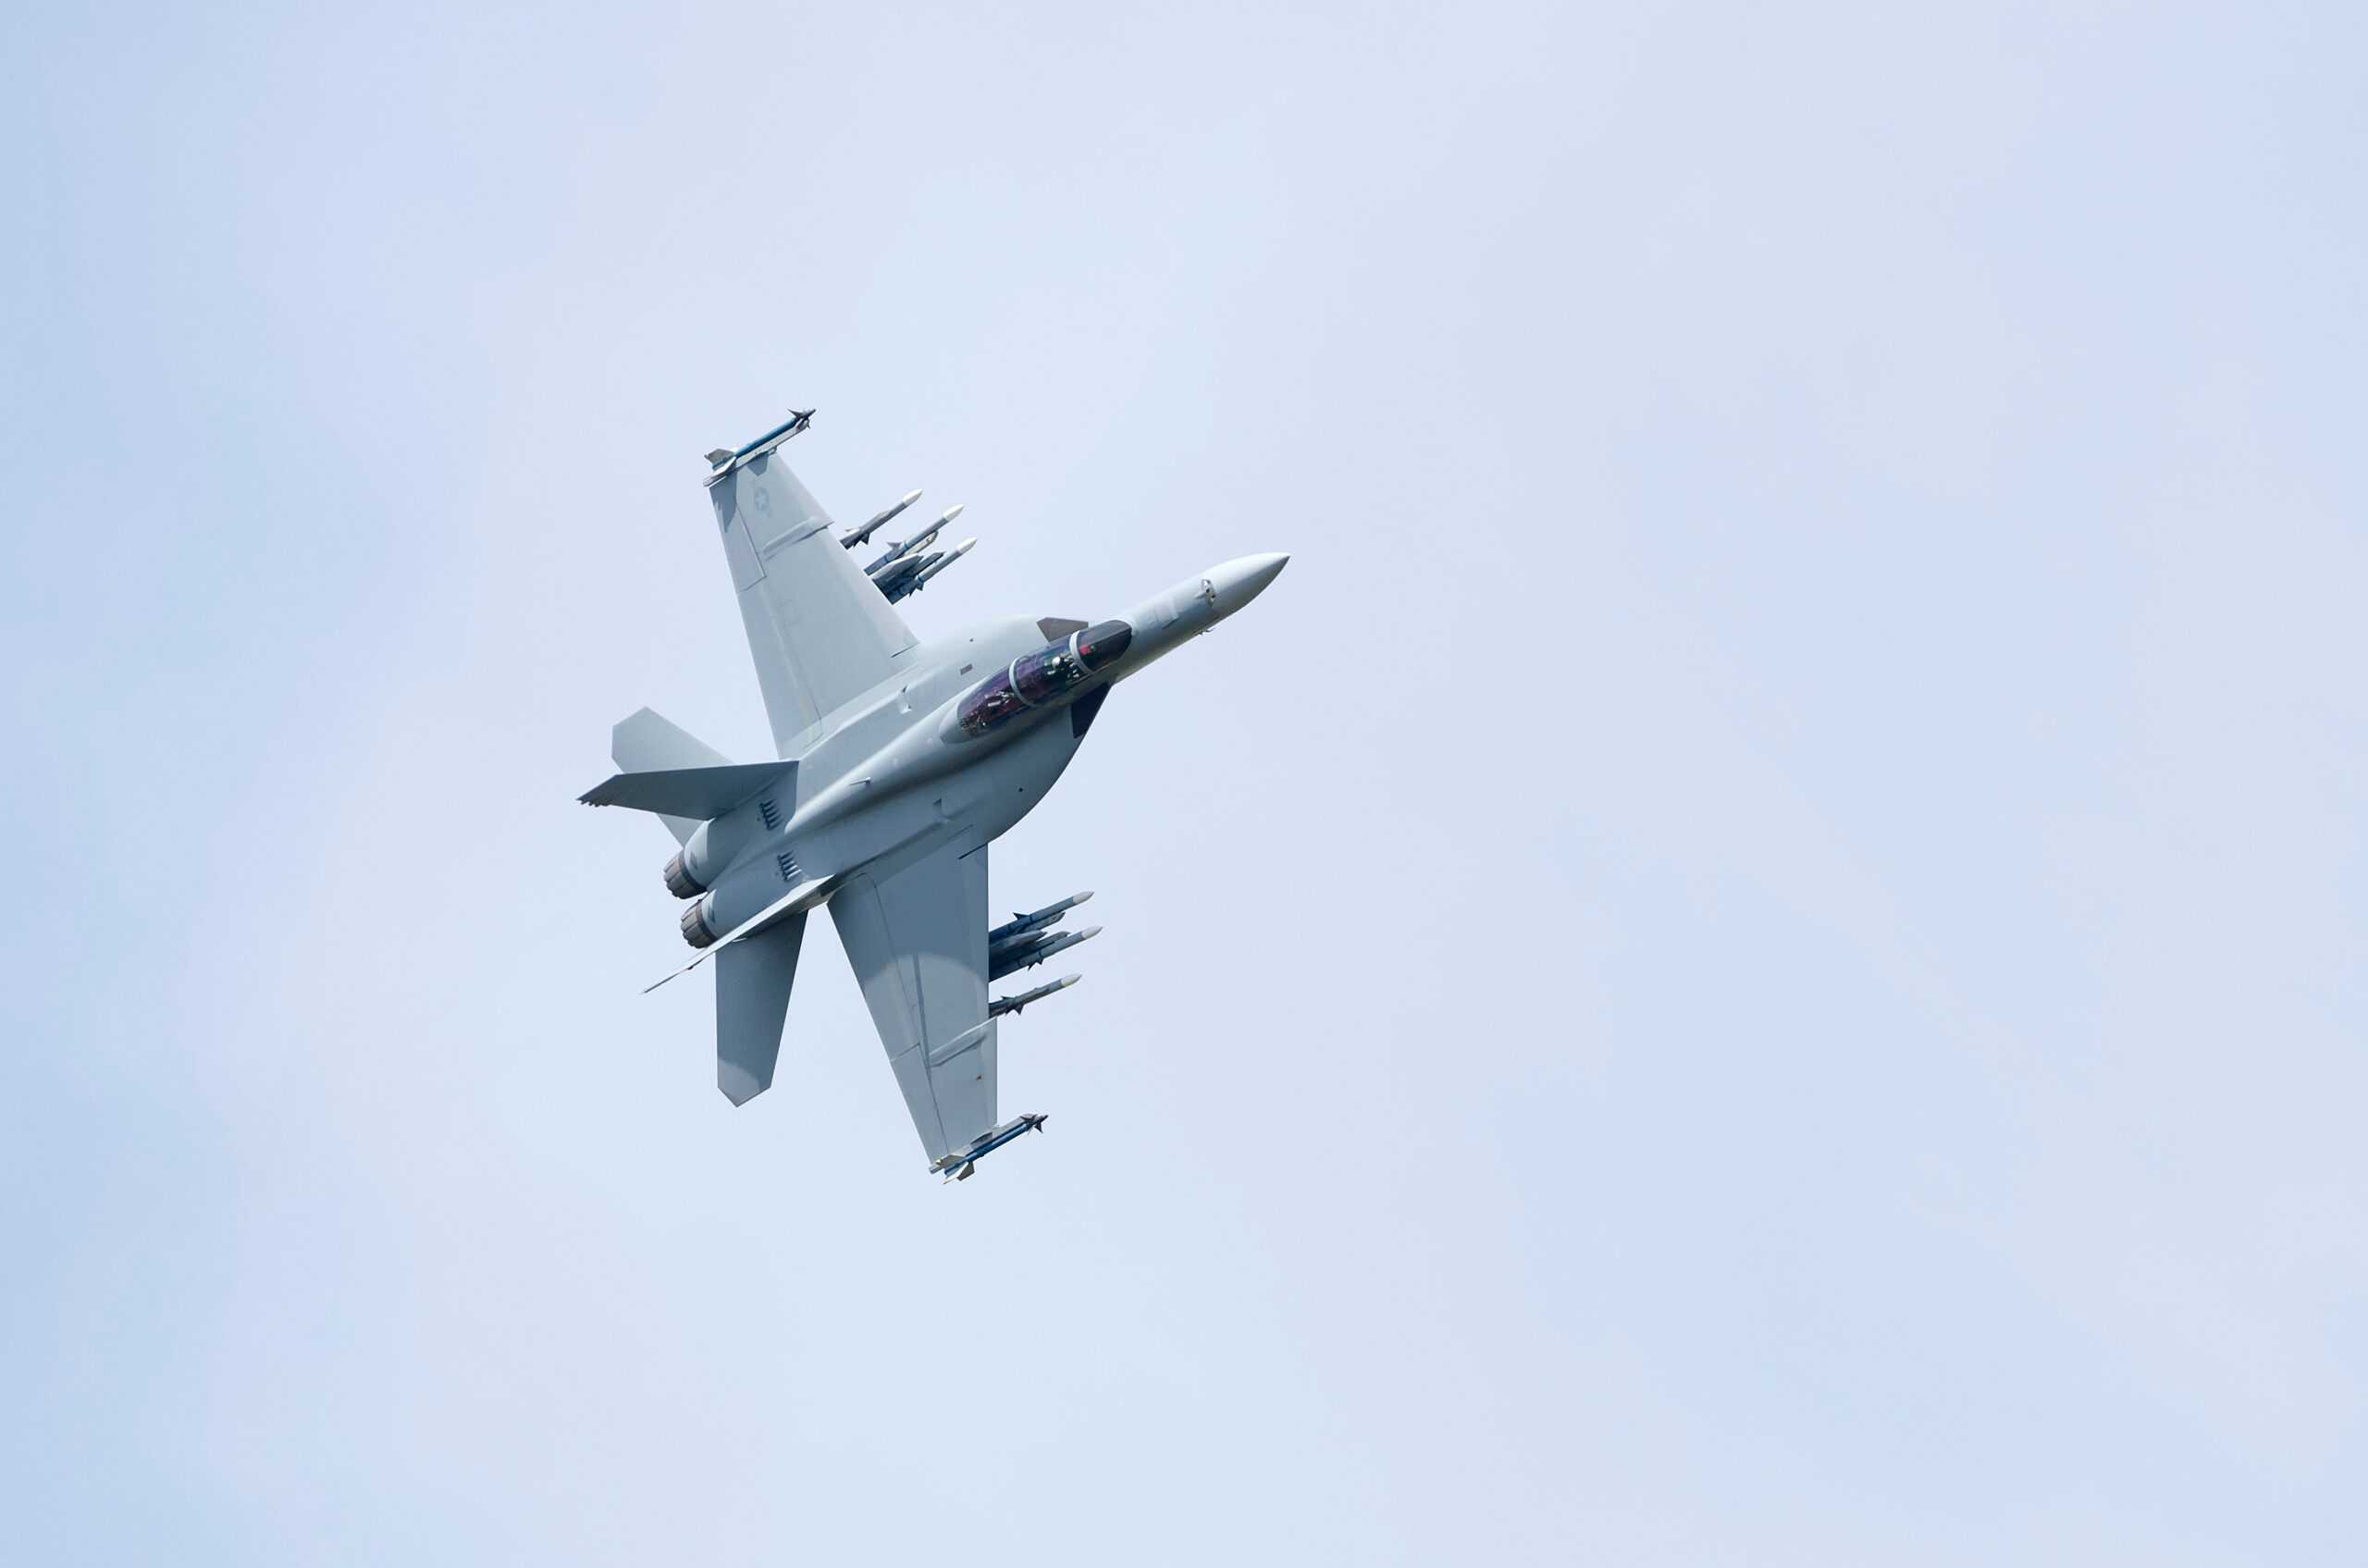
x: 752, y: 983
x: 647, y: 742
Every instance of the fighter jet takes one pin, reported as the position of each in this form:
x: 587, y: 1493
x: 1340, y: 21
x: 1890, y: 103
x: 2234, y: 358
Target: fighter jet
x: 897, y: 762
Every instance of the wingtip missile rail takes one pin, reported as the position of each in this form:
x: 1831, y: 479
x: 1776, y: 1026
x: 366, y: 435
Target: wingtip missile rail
x: 957, y: 1166
x: 722, y: 462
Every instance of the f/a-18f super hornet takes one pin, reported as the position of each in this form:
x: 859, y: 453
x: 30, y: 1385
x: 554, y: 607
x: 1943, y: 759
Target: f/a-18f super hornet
x: 898, y: 762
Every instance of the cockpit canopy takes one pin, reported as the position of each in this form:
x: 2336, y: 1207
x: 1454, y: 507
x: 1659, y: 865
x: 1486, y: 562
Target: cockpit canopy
x: 1044, y: 677
x: 1101, y: 642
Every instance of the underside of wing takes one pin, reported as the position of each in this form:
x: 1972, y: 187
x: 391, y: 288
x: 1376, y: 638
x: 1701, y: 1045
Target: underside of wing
x: 818, y: 629
x: 917, y: 939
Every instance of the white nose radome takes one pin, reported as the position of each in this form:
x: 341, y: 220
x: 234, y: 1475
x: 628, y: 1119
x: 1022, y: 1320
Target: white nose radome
x: 1238, y: 581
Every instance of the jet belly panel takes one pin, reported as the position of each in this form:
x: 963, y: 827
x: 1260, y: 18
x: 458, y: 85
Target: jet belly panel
x: 1008, y: 783
x: 987, y: 796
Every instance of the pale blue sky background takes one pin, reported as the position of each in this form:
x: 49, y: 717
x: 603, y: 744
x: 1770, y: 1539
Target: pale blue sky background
x: 1755, y: 955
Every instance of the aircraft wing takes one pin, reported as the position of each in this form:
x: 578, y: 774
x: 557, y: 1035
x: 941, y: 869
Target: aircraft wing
x: 818, y: 629
x: 917, y: 939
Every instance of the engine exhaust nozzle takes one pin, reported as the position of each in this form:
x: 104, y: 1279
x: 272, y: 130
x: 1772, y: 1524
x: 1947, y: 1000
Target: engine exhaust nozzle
x: 679, y: 880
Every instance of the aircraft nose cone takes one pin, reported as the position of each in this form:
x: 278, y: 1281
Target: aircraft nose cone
x: 1244, y: 578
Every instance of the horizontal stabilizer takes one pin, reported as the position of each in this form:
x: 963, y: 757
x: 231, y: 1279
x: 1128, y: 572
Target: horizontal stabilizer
x: 698, y: 792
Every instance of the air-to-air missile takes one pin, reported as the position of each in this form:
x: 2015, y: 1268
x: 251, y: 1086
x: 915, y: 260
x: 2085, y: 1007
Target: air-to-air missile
x: 939, y: 564
x: 903, y: 555
x: 1011, y: 1004
x: 722, y: 461
x: 1026, y: 952
x: 1025, y: 941
x: 918, y: 543
x: 907, y: 575
x: 1041, y: 918
x: 986, y: 1143
x: 897, y: 579
x: 1034, y: 936
x: 855, y: 537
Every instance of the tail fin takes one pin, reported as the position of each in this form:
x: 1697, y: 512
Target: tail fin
x: 752, y: 981
x: 645, y: 742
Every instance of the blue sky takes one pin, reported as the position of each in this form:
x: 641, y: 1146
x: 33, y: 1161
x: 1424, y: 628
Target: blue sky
x: 1754, y: 956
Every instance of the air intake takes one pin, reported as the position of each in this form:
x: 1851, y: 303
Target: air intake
x: 788, y: 863
x: 771, y: 814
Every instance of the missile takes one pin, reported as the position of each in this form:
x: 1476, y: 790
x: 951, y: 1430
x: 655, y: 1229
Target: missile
x: 919, y: 541
x: 1011, y: 1004
x: 1033, y: 936
x: 723, y: 461
x: 986, y: 1143
x: 941, y: 562
x: 855, y: 537
x: 905, y: 574
x: 1042, y: 917
x: 997, y: 952
x: 1028, y: 955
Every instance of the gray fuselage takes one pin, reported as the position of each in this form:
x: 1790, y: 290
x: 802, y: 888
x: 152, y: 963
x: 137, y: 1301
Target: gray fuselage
x: 968, y: 736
